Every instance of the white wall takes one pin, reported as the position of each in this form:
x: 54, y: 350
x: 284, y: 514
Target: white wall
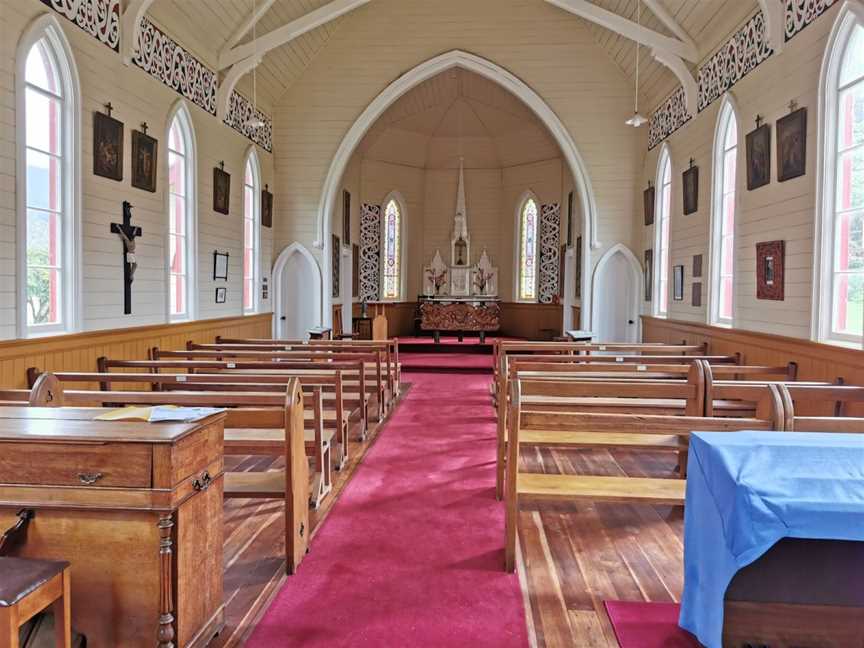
x: 137, y: 97
x: 783, y: 211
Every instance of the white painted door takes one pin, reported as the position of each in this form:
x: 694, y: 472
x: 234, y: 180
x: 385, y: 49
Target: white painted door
x: 616, y: 299
x: 299, y: 302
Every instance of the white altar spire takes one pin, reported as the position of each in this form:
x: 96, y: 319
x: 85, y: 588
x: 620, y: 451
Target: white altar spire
x: 461, y: 221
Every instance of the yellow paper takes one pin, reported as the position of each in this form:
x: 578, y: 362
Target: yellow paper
x: 131, y: 413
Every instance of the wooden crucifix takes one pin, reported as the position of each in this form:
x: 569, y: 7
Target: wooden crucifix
x: 128, y: 233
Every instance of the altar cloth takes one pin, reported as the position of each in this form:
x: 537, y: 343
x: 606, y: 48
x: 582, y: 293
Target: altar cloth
x: 746, y: 491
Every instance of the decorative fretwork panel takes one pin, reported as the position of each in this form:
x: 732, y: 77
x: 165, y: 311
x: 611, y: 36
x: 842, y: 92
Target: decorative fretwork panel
x: 800, y: 13
x: 550, y: 235
x: 240, y: 112
x: 370, y: 251
x: 671, y: 116
x: 99, y: 18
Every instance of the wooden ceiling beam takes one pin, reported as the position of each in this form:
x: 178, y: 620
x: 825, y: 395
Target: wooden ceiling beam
x: 772, y: 11
x: 247, y: 25
x: 627, y: 28
x: 680, y: 70
x: 669, y: 21
x: 288, y: 32
x: 130, y: 24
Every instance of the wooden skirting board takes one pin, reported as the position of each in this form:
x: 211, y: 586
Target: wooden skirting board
x: 816, y: 361
x: 78, y: 351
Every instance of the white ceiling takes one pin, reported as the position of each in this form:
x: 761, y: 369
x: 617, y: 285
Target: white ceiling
x: 204, y: 26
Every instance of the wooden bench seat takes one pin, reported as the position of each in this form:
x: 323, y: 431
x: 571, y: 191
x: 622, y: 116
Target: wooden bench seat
x: 602, y: 439
x: 632, y: 490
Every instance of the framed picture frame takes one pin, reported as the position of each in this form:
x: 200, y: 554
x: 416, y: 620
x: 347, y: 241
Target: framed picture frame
x: 577, y: 289
x: 346, y: 218
x: 145, y: 156
x: 107, y: 146
x: 678, y: 283
x: 562, y: 257
x: 570, y: 220
x: 758, y: 145
x: 648, y: 197
x: 460, y: 282
x: 690, y: 181
x: 266, y: 207
x: 221, y: 190
x: 697, y: 266
x: 336, y: 267
x: 355, y: 270
x: 770, y: 270
x: 221, y: 294
x: 792, y: 145
x: 696, y: 294
x: 220, y: 265
x: 649, y: 274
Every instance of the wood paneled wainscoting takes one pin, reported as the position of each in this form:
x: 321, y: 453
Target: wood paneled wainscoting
x: 815, y: 361
x: 78, y: 351
x: 531, y: 321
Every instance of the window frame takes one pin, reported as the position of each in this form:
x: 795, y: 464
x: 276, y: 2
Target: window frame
x: 46, y: 28
x: 728, y: 111
x: 393, y: 196
x: 517, y: 248
x: 181, y: 113
x: 848, y: 20
x: 253, y: 161
x: 663, y: 161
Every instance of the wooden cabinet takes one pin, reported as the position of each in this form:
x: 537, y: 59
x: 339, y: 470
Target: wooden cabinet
x: 136, y: 508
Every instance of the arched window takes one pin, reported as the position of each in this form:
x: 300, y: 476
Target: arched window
x: 661, y: 234
x: 839, y: 288
x: 723, y: 217
x: 251, y: 232
x: 528, y: 224
x: 181, y: 217
x: 391, y: 245
x: 49, y: 184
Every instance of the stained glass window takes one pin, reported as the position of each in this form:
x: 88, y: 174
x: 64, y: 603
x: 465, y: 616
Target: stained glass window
x: 528, y: 223
x: 723, y: 243
x: 251, y: 232
x: 661, y: 255
x: 392, y: 248
x: 47, y: 190
x: 180, y: 214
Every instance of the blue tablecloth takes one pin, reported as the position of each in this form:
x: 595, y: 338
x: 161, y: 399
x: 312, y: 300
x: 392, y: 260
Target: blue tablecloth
x: 746, y: 491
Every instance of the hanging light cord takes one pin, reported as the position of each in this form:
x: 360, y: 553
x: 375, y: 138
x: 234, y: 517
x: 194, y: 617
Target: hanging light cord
x: 639, y: 23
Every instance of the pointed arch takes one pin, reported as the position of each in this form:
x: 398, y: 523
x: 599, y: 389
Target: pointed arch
x: 311, y: 298
x: 629, y: 295
x: 724, y: 214
x: 49, y: 204
x: 251, y: 231
x: 662, y: 220
x: 526, y: 247
x: 838, y: 295
x: 410, y: 79
x: 394, y: 282
x: 181, y: 269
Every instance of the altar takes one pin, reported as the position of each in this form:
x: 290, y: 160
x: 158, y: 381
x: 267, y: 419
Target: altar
x: 459, y: 315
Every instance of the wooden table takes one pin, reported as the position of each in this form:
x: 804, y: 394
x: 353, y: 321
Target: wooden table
x: 460, y: 315
x: 136, y: 508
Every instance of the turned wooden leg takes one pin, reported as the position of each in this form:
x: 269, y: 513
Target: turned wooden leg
x: 9, y: 627
x: 63, y: 615
x: 165, y: 634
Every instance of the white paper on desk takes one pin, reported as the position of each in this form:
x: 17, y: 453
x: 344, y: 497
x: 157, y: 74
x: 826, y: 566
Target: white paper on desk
x: 165, y: 413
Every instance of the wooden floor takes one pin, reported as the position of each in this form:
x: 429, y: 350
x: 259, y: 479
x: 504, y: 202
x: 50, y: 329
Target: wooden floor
x: 576, y: 555
x: 254, y: 542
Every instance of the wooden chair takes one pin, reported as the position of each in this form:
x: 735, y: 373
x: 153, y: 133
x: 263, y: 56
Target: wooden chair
x: 28, y: 587
x: 338, y: 328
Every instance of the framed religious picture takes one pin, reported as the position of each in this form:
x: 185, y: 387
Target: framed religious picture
x: 355, y: 270
x: 221, y: 189
x: 792, y: 145
x: 697, y: 266
x: 220, y: 265
x: 578, y: 287
x: 221, y: 294
x: 107, y: 146
x: 691, y: 189
x: 346, y: 219
x: 770, y: 262
x: 144, y: 161
x: 678, y: 283
x: 758, y: 157
x: 266, y: 207
x: 335, y: 266
x: 648, y: 205
x: 562, y: 256
x: 696, y: 297
x: 649, y: 274
x: 570, y: 220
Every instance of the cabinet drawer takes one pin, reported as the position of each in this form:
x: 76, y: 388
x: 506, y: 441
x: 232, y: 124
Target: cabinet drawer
x: 76, y: 464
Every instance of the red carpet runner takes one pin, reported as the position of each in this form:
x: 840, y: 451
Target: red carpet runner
x: 412, y: 553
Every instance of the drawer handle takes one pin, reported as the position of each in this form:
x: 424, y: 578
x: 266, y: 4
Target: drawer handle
x: 88, y: 479
x: 204, y: 483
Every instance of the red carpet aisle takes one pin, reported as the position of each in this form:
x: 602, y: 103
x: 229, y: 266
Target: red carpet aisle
x: 411, y: 554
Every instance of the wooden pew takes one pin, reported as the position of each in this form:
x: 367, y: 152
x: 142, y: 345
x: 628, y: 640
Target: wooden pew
x: 563, y: 429
x: 823, y: 408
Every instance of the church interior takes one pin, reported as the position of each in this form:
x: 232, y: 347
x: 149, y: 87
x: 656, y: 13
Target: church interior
x: 464, y: 323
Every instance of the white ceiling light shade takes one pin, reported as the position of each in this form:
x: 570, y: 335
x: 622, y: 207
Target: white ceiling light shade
x: 637, y: 119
